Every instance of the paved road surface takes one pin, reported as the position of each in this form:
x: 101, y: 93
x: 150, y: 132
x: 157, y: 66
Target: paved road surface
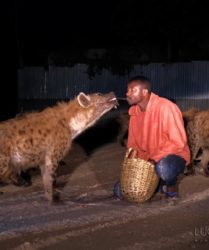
x: 90, y: 219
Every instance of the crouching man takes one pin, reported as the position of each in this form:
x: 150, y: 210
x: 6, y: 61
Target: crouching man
x: 157, y: 133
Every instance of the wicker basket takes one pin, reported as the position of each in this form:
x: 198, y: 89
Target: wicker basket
x: 138, y: 178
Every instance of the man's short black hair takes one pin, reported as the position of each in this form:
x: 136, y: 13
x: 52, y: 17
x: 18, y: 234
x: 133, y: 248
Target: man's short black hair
x: 142, y: 79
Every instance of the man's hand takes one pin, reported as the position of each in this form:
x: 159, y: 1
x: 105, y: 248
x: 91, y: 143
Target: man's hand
x: 152, y: 161
x: 132, y: 153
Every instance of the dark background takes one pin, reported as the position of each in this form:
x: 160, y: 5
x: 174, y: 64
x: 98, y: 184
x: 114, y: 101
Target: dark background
x: 36, y: 32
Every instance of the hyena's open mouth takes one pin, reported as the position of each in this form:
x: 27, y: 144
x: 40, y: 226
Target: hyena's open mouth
x: 115, y: 101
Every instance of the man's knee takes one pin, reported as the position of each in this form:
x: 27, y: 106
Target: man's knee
x: 169, y: 167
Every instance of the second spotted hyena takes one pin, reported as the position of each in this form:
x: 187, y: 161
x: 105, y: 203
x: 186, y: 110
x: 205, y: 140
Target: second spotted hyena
x: 197, y: 129
x: 43, y: 138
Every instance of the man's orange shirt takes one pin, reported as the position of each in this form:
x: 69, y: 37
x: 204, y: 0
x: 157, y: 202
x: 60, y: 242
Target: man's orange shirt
x: 159, y: 131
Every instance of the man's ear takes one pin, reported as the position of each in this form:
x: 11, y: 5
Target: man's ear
x: 83, y: 100
x: 145, y: 91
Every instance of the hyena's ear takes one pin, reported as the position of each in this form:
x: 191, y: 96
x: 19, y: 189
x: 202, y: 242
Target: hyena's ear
x: 83, y: 100
x: 190, y: 114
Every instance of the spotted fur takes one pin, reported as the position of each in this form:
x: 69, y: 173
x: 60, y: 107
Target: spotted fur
x: 197, y: 129
x: 43, y: 138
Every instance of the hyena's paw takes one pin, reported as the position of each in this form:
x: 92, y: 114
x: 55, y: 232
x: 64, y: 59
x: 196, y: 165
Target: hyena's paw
x: 21, y: 180
x: 57, y: 199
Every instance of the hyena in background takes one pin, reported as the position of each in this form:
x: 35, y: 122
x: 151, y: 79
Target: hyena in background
x: 43, y: 138
x: 197, y: 128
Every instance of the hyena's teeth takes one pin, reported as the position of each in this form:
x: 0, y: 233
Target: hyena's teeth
x: 115, y: 107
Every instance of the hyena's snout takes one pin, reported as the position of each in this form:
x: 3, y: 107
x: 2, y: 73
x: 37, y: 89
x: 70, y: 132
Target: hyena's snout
x: 111, y: 98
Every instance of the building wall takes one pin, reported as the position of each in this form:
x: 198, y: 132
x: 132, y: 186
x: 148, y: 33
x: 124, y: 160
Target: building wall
x: 185, y: 83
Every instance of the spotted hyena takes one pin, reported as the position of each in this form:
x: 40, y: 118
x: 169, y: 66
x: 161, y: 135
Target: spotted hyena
x: 43, y: 138
x: 197, y: 128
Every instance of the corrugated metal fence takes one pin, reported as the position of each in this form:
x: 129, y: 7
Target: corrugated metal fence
x: 185, y: 83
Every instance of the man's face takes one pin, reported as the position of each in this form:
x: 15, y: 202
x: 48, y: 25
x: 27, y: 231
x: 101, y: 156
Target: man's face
x: 135, y: 93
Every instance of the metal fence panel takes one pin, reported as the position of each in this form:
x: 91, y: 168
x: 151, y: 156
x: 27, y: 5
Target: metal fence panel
x: 185, y: 83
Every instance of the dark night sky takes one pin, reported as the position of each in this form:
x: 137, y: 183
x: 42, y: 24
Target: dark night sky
x: 34, y: 27
x: 59, y: 24
x: 42, y: 26
x: 52, y: 25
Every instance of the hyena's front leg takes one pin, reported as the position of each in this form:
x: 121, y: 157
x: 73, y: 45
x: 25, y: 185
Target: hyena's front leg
x: 48, y: 172
x: 205, y: 162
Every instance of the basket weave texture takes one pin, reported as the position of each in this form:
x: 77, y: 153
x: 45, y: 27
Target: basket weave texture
x: 138, y: 178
